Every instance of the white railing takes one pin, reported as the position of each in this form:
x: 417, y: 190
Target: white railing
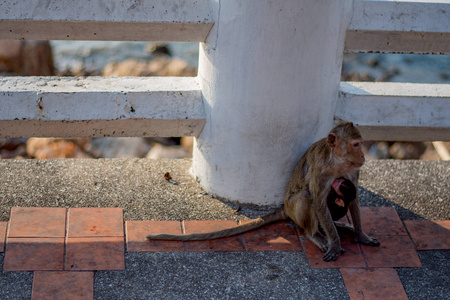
x: 99, y: 107
x: 397, y: 111
x: 268, y: 82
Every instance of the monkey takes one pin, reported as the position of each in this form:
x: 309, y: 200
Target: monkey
x: 342, y: 192
x: 326, y: 165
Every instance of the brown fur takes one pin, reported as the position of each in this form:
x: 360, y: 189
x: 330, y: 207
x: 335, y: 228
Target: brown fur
x: 337, y: 156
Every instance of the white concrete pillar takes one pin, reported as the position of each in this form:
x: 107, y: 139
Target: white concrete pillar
x: 269, y: 73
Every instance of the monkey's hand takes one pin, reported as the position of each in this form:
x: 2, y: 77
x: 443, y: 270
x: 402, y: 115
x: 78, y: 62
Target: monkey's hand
x: 333, y: 253
x: 367, y: 240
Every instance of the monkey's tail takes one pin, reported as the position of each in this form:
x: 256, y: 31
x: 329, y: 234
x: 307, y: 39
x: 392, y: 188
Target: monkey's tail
x: 269, y: 218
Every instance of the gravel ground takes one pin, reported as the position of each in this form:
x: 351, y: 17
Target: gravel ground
x: 418, y: 189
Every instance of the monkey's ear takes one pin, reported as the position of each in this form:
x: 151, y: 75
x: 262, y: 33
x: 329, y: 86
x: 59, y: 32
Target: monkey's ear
x: 332, y: 140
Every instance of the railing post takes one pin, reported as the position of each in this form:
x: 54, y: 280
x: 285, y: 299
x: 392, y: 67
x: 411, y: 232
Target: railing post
x: 269, y: 74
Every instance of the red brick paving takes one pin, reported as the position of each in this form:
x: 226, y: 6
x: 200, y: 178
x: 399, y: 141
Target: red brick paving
x: 378, y: 221
x: 101, y: 253
x: 430, y: 235
x: 137, y: 230
x: 30, y: 254
x: 383, y: 223
x: 38, y: 240
x: 37, y: 222
x: 234, y: 243
x: 2, y: 236
x: 394, y: 252
x: 373, y: 284
x: 95, y: 239
x: 275, y: 237
x: 92, y: 222
x: 63, y: 285
x: 352, y: 257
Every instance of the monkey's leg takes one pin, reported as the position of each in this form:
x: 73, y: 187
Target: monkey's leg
x: 327, y: 224
x: 344, y: 228
x: 360, y: 236
x: 298, y: 207
x: 319, y: 239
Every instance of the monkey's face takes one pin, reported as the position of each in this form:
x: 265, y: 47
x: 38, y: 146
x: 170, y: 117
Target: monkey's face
x: 354, y: 152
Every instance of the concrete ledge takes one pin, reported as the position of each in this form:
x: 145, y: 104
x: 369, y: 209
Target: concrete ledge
x: 100, y: 106
x: 417, y: 189
x: 399, y: 27
x: 387, y: 110
x: 176, y: 20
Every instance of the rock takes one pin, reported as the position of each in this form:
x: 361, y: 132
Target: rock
x: 166, y: 141
x: 373, y: 62
x: 162, y: 66
x: 13, y: 148
x: 380, y: 150
x: 27, y: 58
x: 159, y: 49
x: 357, y: 76
x: 372, y: 150
x: 126, y: 68
x: 10, y: 52
x: 43, y: 148
x: 119, y: 147
x: 430, y: 152
x: 11, y: 143
x: 177, y: 67
x: 171, y: 152
x: 401, y: 150
x: 187, y: 143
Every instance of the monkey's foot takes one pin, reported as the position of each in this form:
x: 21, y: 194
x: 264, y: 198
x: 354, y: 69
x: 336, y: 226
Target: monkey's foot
x: 332, y: 254
x: 367, y: 240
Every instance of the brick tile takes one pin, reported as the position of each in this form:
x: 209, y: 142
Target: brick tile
x: 281, y: 236
x: 430, y: 235
x: 2, y: 236
x: 395, y: 251
x: 381, y: 221
x: 373, y: 284
x: 137, y: 230
x: 63, y: 285
x: 88, y: 222
x: 351, y: 258
x: 100, y: 253
x: 234, y: 243
x: 31, y: 254
x: 37, y: 222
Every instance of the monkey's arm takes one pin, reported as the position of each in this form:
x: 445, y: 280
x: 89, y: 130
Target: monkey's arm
x: 326, y: 222
x: 360, y: 236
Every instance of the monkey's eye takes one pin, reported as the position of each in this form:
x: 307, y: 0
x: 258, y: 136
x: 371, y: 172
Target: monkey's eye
x: 356, y: 145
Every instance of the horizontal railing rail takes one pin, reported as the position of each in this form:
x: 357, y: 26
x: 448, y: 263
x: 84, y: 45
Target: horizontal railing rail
x: 100, y: 106
x: 398, y: 111
x: 399, y: 26
x: 109, y: 20
x: 385, y: 110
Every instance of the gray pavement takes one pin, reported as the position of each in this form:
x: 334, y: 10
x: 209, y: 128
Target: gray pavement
x: 417, y: 189
x: 218, y: 275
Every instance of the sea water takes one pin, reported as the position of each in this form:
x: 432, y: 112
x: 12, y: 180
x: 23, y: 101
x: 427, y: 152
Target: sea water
x: 95, y: 55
